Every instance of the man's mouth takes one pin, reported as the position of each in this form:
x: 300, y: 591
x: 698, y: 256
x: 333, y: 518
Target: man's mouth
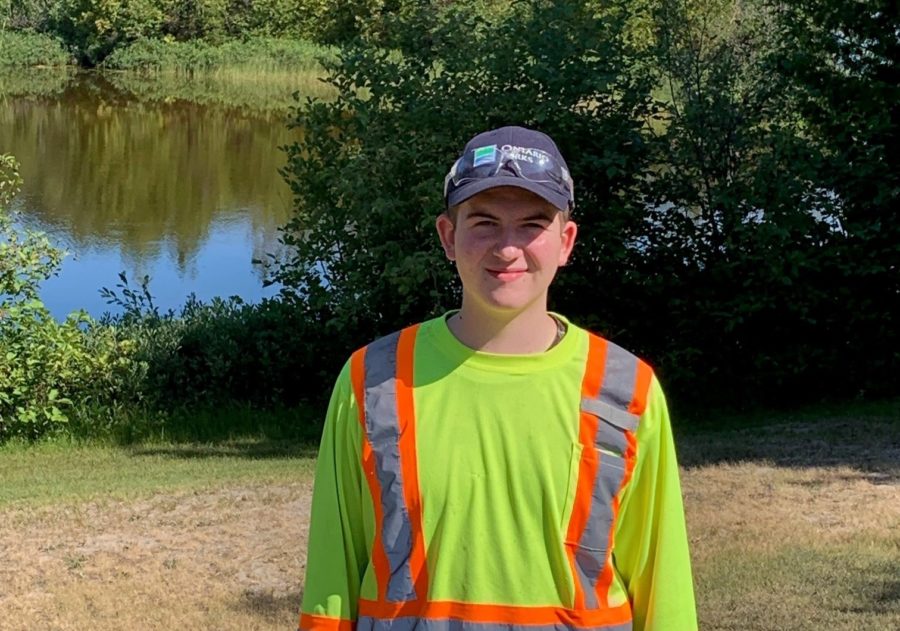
x: 507, y: 274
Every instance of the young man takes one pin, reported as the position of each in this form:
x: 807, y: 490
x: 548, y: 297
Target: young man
x: 499, y: 468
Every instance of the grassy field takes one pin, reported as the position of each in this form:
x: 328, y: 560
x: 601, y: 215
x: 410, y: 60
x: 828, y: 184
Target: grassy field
x: 794, y: 524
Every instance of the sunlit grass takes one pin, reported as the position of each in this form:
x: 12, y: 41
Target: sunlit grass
x: 66, y: 471
x: 259, y: 54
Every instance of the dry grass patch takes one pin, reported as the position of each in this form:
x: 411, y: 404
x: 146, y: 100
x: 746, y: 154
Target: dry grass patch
x: 796, y: 525
x: 226, y: 558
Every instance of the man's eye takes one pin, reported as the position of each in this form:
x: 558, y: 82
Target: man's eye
x: 535, y: 226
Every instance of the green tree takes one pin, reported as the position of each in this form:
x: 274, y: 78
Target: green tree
x: 741, y: 225
x: 367, y: 174
x: 94, y: 28
x: 842, y: 60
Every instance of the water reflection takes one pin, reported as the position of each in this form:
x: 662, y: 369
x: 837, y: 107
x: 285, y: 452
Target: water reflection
x: 186, y: 192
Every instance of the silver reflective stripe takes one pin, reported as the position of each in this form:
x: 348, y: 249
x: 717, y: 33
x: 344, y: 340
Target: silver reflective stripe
x: 611, y: 414
x: 611, y: 438
x: 365, y: 623
x: 611, y: 407
x: 594, y: 543
x: 618, y: 383
x: 383, y: 431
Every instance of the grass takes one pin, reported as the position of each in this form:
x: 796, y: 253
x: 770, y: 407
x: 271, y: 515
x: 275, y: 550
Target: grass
x: 255, y: 55
x: 160, y: 536
x: 240, y: 88
x: 220, y: 425
x: 256, y: 75
x: 794, y: 521
x: 67, y: 472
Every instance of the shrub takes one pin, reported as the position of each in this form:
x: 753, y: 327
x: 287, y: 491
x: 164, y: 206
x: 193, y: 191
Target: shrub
x: 224, y: 353
x: 31, y: 49
x: 92, y: 29
x: 46, y: 366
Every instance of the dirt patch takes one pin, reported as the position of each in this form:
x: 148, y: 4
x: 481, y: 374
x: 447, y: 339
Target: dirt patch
x: 228, y: 558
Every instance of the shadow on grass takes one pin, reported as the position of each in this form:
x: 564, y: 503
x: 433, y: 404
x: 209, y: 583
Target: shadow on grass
x: 283, y: 609
x: 254, y: 449
x: 877, y: 590
x: 867, y: 441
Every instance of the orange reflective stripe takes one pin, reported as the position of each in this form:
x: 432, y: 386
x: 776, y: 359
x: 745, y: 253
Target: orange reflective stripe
x: 310, y: 622
x: 406, y: 417
x: 379, y: 559
x: 587, y: 465
x: 641, y: 388
x: 501, y: 614
x: 358, y: 380
x: 637, y: 406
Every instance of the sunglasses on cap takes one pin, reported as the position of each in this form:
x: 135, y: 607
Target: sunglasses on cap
x: 527, y: 163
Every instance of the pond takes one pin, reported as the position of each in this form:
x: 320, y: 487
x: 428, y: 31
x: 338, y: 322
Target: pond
x: 185, y: 191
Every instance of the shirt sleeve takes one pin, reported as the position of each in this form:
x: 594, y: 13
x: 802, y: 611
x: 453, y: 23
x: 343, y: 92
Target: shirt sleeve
x: 651, y: 545
x: 337, y: 551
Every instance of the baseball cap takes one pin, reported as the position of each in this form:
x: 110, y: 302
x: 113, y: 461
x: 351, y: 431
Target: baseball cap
x: 511, y: 156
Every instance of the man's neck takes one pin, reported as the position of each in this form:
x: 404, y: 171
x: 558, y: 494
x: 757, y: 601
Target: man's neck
x: 529, y: 331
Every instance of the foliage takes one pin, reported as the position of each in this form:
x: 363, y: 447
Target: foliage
x: 31, y: 49
x: 709, y: 226
x: 367, y: 173
x: 45, y: 365
x: 94, y: 28
x: 222, y: 353
x: 258, y: 54
x: 842, y: 62
x: 742, y: 224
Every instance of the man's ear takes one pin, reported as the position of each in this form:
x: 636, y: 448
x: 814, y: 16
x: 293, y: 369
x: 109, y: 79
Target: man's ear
x: 568, y: 234
x: 446, y: 232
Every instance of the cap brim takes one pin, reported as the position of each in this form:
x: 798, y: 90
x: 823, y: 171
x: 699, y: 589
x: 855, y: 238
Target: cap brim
x: 461, y: 194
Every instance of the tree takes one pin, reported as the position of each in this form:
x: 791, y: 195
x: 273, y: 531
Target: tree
x: 842, y: 60
x: 367, y: 174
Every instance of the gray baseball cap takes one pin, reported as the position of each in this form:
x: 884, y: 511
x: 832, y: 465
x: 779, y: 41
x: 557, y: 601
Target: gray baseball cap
x: 511, y: 156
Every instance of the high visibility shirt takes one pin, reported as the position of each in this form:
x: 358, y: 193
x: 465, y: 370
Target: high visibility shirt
x: 458, y: 489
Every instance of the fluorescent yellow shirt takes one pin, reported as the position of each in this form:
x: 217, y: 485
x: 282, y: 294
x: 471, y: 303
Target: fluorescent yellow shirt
x: 498, y: 448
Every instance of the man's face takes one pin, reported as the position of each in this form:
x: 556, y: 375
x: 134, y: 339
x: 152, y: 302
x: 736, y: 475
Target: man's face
x: 507, y: 243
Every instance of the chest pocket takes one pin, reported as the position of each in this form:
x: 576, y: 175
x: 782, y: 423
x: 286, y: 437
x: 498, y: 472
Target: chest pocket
x: 614, y: 423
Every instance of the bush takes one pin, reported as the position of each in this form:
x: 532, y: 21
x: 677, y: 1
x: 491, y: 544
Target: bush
x: 92, y: 29
x: 46, y: 366
x: 224, y: 353
x: 31, y: 49
x: 841, y: 62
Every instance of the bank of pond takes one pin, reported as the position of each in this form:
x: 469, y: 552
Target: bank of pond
x: 261, y: 74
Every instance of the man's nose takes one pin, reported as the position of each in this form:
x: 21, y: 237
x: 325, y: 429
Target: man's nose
x: 507, y: 246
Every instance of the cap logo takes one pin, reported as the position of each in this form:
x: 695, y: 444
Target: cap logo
x: 485, y: 155
x: 526, y: 154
